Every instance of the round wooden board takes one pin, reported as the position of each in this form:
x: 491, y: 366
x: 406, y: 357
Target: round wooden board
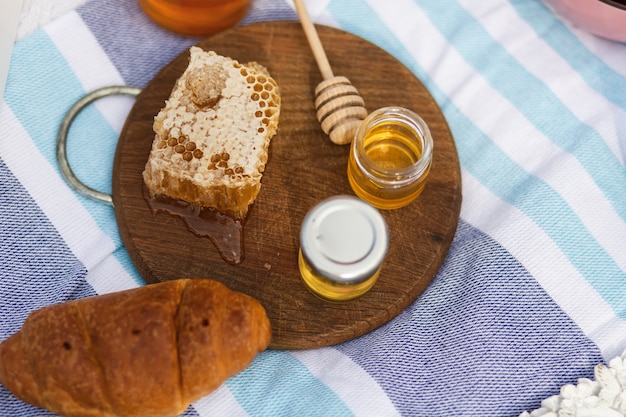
x: 304, y: 168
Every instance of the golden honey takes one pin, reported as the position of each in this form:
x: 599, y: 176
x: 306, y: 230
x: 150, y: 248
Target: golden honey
x: 196, y: 17
x: 390, y: 158
x: 330, y: 289
x: 343, y: 243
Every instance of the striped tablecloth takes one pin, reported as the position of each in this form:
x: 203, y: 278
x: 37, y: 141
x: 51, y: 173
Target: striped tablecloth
x: 532, y: 295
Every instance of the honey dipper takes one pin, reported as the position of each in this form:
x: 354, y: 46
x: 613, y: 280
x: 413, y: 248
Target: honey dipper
x: 340, y: 108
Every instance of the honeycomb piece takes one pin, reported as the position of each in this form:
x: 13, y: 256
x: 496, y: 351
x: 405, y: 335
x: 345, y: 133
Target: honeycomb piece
x: 213, y: 134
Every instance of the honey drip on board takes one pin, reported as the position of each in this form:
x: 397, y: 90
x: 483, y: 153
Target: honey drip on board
x: 224, y: 231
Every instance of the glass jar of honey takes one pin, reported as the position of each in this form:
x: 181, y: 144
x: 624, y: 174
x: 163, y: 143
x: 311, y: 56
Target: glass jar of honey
x: 390, y: 158
x: 196, y: 17
x: 343, y: 243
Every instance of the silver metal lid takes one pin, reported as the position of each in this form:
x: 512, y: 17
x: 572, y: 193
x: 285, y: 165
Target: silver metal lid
x: 344, y: 239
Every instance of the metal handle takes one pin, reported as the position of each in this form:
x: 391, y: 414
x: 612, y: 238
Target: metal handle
x: 87, y: 99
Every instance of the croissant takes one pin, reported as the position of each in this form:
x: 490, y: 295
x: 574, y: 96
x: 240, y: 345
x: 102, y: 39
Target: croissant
x: 149, y: 351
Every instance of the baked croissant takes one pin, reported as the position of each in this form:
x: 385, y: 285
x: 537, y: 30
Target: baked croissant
x: 144, y: 352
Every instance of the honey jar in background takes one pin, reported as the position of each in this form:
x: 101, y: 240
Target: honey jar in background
x: 390, y: 158
x: 343, y: 243
x: 196, y: 17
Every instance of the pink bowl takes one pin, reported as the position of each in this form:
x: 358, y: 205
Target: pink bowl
x: 605, y: 18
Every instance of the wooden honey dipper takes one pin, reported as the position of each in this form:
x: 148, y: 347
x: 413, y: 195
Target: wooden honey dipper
x: 340, y: 108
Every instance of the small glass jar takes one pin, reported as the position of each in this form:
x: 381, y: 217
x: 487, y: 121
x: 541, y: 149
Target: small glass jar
x: 343, y: 242
x: 196, y: 17
x: 390, y: 158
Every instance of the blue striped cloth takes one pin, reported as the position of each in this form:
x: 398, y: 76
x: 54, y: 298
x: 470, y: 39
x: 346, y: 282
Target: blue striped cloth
x: 533, y: 292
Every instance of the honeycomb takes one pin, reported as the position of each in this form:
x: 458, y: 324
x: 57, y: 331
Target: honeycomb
x: 212, y: 136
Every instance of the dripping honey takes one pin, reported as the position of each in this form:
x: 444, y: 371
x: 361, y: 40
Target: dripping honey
x: 223, y: 230
x: 196, y: 17
x: 390, y: 158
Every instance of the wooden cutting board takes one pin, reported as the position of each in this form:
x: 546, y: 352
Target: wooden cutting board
x: 304, y: 168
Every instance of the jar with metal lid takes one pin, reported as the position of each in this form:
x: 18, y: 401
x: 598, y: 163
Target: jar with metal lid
x: 390, y: 158
x: 343, y: 243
